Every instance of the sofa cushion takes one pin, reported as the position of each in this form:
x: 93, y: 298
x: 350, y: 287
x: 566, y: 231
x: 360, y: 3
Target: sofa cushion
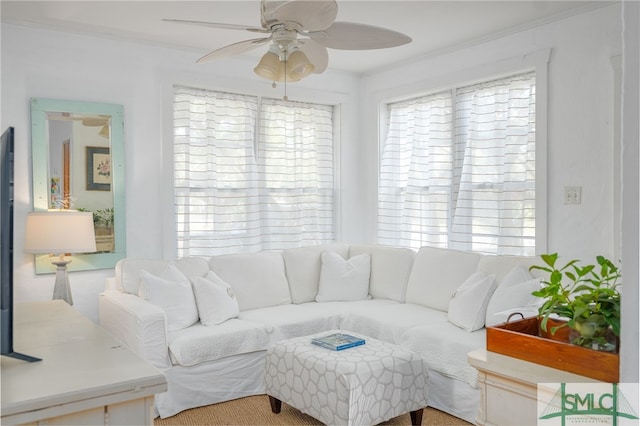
x: 302, y: 267
x: 199, y: 343
x: 390, y: 269
x: 192, y: 266
x: 215, y: 299
x: 342, y: 279
x: 390, y: 322
x: 172, y: 292
x: 444, y: 347
x: 344, y: 309
x: 127, y: 271
x: 287, y: 321
x: 258, y: 279
x: 468, y: 305
x: 436, y: 274
x: 501, y: 266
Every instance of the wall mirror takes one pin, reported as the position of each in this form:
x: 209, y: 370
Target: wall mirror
x: 78, y: 163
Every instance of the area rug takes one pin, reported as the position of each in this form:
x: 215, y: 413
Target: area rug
x: 255, y: 410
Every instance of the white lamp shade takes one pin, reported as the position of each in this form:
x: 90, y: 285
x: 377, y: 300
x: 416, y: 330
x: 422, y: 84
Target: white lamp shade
x: 298, y: 66
x: 268, y: 67
x: 62, y: 231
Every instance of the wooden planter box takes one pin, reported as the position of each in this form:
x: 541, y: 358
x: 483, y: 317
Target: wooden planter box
x: 519, y: 339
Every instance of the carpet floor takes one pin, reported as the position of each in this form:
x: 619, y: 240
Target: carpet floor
x: 255, y: 410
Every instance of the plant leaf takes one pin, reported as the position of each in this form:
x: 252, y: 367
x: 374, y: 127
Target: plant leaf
x: 550, y: 259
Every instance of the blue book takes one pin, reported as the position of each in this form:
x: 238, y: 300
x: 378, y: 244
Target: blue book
x: 338, y: 341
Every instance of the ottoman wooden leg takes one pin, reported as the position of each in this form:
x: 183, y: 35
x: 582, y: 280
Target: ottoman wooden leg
x: 276, y: 405
x: 416, y: 417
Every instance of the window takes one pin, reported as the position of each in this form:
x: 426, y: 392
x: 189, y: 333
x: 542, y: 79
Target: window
x: 458, y: 169
x: 250, y: 174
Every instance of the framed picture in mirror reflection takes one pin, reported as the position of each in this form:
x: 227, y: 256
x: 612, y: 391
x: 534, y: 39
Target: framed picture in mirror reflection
x: 98, y: 168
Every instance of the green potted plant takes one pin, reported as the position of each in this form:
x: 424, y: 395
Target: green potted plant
x: 105, y: 217
x: 586, y: 297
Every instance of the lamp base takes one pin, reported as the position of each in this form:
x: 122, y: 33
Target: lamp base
x: 61, y: 289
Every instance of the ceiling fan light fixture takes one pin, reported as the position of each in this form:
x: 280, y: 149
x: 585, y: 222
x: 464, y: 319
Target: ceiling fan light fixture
x: 298, y: 66
x: 284, y: 74
x: 269, y: 66
x: 104, y: 132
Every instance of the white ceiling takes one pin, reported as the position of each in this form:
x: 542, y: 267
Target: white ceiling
x: 434, y: 26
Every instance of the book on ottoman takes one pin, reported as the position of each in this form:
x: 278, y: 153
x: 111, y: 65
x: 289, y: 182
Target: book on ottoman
x: 338, y: 341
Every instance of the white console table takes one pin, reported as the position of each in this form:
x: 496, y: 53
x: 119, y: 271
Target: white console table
x: 85, y: 376
x: 509, y: 387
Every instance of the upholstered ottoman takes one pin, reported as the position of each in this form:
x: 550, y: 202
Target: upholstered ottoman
x: 362, y: 385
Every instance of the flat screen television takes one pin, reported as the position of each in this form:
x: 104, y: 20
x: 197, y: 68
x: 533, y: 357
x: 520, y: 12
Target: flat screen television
x: 6, y: 247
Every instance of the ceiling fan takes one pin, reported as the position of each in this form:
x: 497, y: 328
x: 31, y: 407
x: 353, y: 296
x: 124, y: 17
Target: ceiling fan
x: 86, y: 119
x: 298, y: 33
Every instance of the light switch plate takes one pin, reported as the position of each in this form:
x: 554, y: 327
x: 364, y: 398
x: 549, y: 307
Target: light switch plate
x: 572, y: 194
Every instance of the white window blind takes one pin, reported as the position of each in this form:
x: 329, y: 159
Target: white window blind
x: 296, y: 157
x: 238, y: 189
x: 462, y: 174
x: 415, y: 173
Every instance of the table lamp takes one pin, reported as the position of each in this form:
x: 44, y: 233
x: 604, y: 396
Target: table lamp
x: 60, y: 232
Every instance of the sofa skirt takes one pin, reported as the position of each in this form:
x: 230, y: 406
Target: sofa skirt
x: 453, y: 396
x: 211, y: 382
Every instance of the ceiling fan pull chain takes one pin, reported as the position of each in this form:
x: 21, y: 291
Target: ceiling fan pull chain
x: 286, y: 61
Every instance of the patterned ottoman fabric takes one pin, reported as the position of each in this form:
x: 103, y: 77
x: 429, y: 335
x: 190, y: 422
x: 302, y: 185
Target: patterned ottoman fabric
x: 363, y: 385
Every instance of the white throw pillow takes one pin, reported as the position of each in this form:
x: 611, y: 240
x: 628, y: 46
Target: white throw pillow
x: 172, y: 292
x: 468, y: 304
x: 215, y: 299
x: 343, y: 280
x: 516, y: 276
x: 302, y: 266
x: 513, y: 298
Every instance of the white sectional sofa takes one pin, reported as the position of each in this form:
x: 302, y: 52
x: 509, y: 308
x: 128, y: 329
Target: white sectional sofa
x: 414, y: 299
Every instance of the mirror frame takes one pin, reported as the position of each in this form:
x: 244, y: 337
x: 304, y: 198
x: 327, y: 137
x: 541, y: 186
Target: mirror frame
x: 40, y: 172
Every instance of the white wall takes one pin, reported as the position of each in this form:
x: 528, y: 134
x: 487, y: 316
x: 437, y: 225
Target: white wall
x: 41, y: 63
x: 580, y: 114
x: 629, y: 359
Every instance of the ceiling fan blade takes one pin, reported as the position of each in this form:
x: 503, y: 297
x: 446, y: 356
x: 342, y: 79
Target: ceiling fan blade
x: 316, y: 54
x: 95, y: 121
x: 234, y: 49
x: 219, y: 25
x: 352, y: 36
x: 311, y: 15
